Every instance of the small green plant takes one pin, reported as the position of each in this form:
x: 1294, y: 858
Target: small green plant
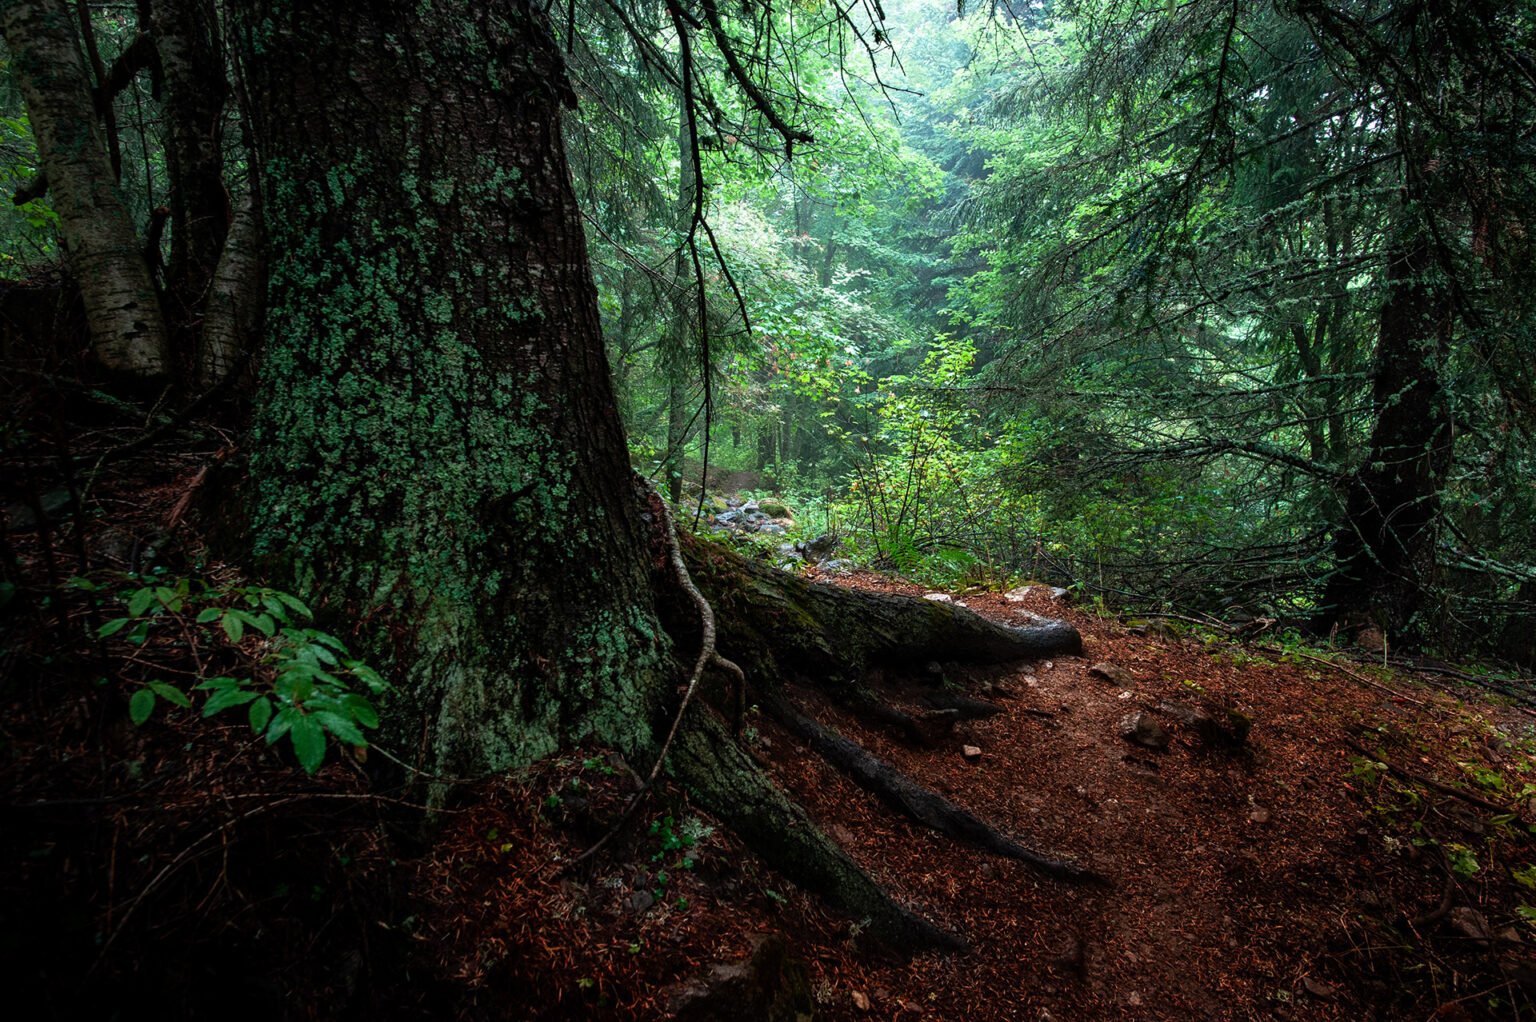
x: 298, y: 682
x: 1483, y: 777
x: 678, y: 837
x: 593, y: 763
x: 1462, y: 860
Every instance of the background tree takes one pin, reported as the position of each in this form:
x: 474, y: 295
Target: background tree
x: 1268, y: 233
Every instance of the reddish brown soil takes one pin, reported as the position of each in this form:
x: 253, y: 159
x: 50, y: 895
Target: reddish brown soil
x: 1252, y: 885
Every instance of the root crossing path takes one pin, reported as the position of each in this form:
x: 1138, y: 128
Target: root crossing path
x: 1244, y: 884
x: 1277, y: 879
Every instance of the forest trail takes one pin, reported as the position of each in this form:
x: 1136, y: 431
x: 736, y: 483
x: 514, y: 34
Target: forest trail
x: 1226, y: 869
x: 1281, y: 881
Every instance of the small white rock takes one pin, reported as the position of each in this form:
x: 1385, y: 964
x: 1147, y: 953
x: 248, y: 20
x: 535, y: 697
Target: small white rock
x: 939, y: 597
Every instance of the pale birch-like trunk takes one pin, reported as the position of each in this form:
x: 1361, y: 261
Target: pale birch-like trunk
x: 122, y: 310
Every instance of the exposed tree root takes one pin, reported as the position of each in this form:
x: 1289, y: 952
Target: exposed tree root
x: 778, y: 627
x: 911, y: 799
x: 727, y: 783
x: 924, y: 729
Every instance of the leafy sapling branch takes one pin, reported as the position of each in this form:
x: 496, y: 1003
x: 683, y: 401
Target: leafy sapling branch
x: 242, y: 646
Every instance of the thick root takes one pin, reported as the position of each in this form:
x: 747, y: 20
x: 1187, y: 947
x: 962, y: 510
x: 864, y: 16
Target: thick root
x: 729, y: 785
x: 913, y: 800
x: 777, y: 625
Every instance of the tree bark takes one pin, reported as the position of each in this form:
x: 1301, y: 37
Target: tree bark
x: 437, y: 447
x: 1385, y: 548
x: 191, y: 50
x: 122, y: 310
x: 232, y: 311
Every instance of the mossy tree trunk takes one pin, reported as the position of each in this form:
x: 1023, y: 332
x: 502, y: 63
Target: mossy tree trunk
x: 437, y: 450
x: 437, y: 446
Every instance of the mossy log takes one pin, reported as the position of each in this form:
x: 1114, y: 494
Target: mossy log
x: 776, y: 625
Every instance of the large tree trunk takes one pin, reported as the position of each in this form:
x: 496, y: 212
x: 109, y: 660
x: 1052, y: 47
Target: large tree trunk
x: 437, y: 444
x: 437, y: 449
x: 122, y: 310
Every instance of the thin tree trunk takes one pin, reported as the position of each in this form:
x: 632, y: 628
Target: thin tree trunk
x: 679, y: 345
x: 191, y: 49
x: 232, y: 312
x: 122, y: 310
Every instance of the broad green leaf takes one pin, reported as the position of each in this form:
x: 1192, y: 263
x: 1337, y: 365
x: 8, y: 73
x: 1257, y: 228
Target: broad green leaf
x: 323, y: 655
x: 112, y: 627
x: 139, y: 602
x: 368, y: 676
x: 282, y: 723
x: 261, y: 714
x: 340, y: 726
x: 208, y: 614
x: 141, y: 706
x: 227, y: 697
x: 329, y: 640
x: 170, y: 693
x: 294, y: 603
x: 308, y: 743
x: 361, y: 709
x: 233, y: 626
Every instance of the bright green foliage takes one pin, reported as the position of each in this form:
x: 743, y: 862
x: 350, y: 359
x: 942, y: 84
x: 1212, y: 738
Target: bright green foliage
x: 26, y: 231
x: 294, y: 680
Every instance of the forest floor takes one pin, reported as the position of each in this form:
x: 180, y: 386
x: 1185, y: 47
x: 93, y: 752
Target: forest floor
x: 1367, y: 853
x: 1294, y: 878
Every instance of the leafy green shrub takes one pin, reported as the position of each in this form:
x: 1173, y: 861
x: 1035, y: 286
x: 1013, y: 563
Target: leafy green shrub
x: 295, y: 681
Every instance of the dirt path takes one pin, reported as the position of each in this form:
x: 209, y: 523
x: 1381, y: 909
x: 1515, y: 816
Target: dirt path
x: 1237, y: 879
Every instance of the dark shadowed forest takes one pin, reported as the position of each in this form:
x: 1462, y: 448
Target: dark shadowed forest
x: 768, y: 509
